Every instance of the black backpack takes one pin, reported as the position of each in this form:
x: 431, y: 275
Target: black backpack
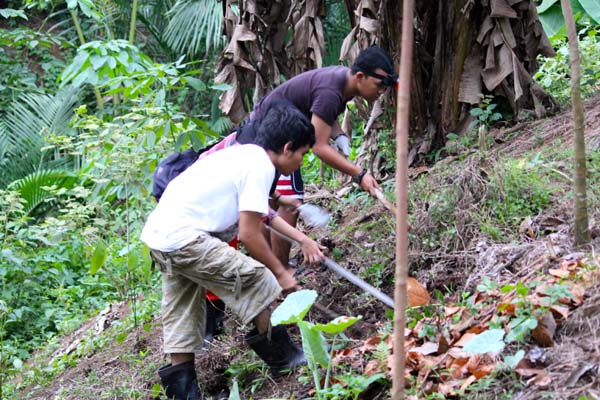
x: 178, y: 162
x: 172, y: 166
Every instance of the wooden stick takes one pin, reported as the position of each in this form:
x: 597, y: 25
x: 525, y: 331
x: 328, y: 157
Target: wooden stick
x: 402, y: 130
x: 385, y: 201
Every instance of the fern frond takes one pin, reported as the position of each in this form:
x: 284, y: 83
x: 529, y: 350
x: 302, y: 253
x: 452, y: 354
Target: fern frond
x: 194, y: 26
x: 31, y: 187
x: 222, y: 125
x: 28, y: 120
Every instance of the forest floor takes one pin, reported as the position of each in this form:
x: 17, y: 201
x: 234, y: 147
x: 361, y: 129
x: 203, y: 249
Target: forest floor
x: 476, y: 284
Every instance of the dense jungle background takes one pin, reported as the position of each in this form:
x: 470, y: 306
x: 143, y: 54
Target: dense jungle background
x: 94, y: 93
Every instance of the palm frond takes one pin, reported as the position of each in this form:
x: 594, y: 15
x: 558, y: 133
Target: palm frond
x: 32, y: 187
x: 29, y: 119
x: 194, y: 26
x: 221, y: 125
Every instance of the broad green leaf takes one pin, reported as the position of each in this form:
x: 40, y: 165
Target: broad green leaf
x: 97, y: 61
x: 546, y: 4
x: 489, y: 341
x: 552, y: 20
x: 235, y: 391
x: 12, y: 13
x: 17, y: 363
x: 476, y: 112
x: 512, y: 361
x: 338, y: 325
x: 313, y: 343
x: 156, y: 390
x: 121, y: 337
x: 112, y: 62
x: 75, y: 67
x: 592, y: 8
x: 98, y: 257
x: 221, y: 86
x: 196, y: 83
x: 8, y: 254
x: 123, y: 57
x: 294, y: 307
x: 520, y: 327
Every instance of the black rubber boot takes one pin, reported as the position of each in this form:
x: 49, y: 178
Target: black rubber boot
x: 280, y: 353
x: 180, y: 381
x: 215, y: 313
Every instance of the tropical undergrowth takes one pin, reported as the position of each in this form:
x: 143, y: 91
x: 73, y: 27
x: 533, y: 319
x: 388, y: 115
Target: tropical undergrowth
x: 554, y: 72
x: 457, y: 204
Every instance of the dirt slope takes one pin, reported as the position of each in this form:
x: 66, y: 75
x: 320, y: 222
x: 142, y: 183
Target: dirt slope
x: 122, y: 367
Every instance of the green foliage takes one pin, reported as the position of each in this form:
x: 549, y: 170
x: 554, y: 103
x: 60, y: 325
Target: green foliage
x: 39, y: 188
x: 551, y: 15
x: 194, y: 27
x: 26, y: 63
x: 484, y: 113
x: 48, y: 260
x: 489, y: 341
x: 292, y: 310
x: 554, y: 72
x: 336, y: 25
x: 12, y: 13
x: 294, y: 307
x: 23, y: 136
x: 97, y: 62
x: 516, y: 190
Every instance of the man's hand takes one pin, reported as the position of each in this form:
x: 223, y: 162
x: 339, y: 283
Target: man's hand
x: 369, y: 184
x: 342, y: 143
x: 312, y: 252
x: 287, y: 282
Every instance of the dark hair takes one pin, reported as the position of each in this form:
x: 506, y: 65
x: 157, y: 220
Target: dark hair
x: 372, y: 58
x: 283, y: 123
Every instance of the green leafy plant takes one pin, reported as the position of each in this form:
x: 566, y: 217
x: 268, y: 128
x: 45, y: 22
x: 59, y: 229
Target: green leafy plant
x: 554, y: 72
x: 551, y: 16
x: 194, y: 27
x: 516, y: 190
x: 292, y: 310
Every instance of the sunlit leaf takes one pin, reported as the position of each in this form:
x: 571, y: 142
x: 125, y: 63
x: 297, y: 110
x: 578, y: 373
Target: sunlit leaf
x: 592, y: 8
x: 313, y: 343
x: 11, y: 13
x: 489, y: 341
x: 196, y: 83
x: 98, y: 257
x: 546, y: 4
x: 294, y: 307
x: 338, y: 325
x: 234, y: 394
x: 512, y: 361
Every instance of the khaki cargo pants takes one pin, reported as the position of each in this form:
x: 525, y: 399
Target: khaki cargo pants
x: 246, y: 286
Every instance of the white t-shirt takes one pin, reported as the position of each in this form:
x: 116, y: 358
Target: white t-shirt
x: 209, y: 196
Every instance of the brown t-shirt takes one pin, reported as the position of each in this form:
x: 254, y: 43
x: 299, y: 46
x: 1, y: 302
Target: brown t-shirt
x: 319, y: 91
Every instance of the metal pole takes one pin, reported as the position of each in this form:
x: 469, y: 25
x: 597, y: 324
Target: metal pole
x: 349, y: 276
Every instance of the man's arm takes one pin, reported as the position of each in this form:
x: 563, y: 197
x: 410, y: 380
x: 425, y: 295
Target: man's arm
x: 312, y: 251
x: 334, y: 159
x: 251, y: 236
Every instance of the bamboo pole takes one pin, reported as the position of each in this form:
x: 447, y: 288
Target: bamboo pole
x: 581, y: 228
x: 402, y: 129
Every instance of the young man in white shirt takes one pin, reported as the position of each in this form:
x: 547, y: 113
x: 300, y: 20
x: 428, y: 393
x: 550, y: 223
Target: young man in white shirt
x: 203, y: 208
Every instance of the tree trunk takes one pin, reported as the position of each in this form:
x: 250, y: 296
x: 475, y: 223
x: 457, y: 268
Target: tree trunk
x: 582, y: 232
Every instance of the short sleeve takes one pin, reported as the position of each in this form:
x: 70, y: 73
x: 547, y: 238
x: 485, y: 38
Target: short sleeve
x: 327, y: 105
x: 254, y: 185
